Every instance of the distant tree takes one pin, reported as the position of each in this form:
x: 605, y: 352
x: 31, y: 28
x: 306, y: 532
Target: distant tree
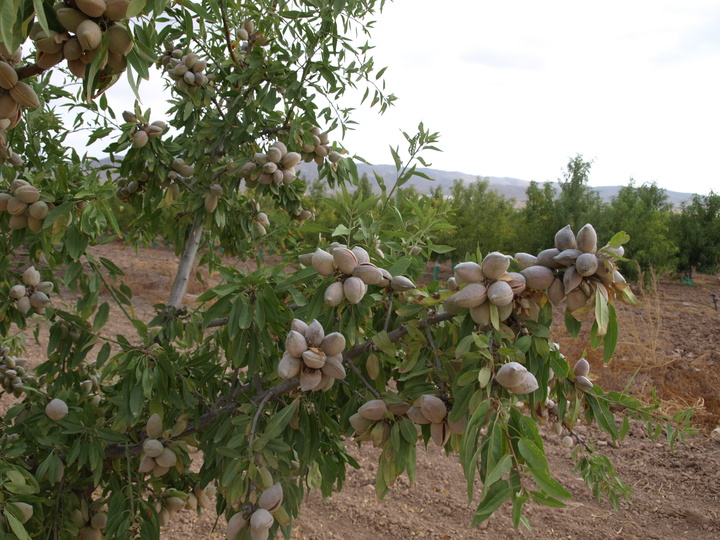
x: 645, y: 214
x: 538, y: 219
x: 364, y: 189
x: 697, y: 235
x: 577, y: 203
x: 482, y: 217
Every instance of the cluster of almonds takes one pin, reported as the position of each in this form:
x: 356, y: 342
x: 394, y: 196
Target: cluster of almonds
x: 127, y: 187
x: 187, y: 70
x: 13, y: 373
x: 212, y: 198
x: 369, y: 422
x: 260, y: 220
x: 585, y: 269
x: 24, y: 205
x: 302, y: 215
x: 89, y: 20
x: 90, y: 524
x: 247, y: 36
x: 276, y: 166
x: 158, y: 459
x: 316, y: 357
x: 318, y: 148
x: 485, y: 284
x: 180, y: 170
x: 261, y: 519
x: 142, y: 132
x: 14, y: 95
x: 90, y: 385
x: 33, y: 294
x: 174, y: 500
x: 353, y: 271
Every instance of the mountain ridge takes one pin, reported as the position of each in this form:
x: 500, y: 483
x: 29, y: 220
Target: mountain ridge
x: 511, y: 188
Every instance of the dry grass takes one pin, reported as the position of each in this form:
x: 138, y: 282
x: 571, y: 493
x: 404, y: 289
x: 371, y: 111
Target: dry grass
x: 664, y: 346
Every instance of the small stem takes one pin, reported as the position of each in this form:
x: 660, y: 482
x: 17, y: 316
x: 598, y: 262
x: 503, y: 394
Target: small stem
x: 182, y: 277
x: 267, y: 398
x: 369, y: 386
x: 438, y: 363
x: 231, y: 49
x: 130, y: 485
x: 581, y: 440
x: 389, y: 311
x: 109, y: 288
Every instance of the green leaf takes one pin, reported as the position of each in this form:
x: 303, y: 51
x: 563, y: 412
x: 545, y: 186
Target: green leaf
x: 15, y: 525
x: 8, y: 14
x: 408, y: 431
x: 57, y: 212
x: 42, y: 18
x: 619, y: 239
x: 484, y: 376
x: 101, y: 317
x: 468, y: 377
x: 103, y: 355
x: 501, y: 469
x: 546, y: 501
x: 493, y: 499
x: 611, y: 337
x: 602, y: 314
x: 280, y: 420
x: 135, y: 7
x: 572, y: 324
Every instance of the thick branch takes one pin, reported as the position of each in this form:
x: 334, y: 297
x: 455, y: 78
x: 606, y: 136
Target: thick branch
x: 28, y: 71
x: 207, y: 419
x: 182, y: 278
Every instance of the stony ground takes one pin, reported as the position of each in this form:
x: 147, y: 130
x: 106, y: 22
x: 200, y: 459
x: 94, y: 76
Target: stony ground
x: 674, y: 345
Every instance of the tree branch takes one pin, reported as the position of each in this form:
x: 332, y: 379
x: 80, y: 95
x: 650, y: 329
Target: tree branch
x: 28, y: 71
x: 182, y: 277
x: 369, y: 386
x: 228, y: 40
x: 206, y: 420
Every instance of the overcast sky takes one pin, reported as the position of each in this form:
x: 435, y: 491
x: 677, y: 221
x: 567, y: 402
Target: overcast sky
x: 516, y: 88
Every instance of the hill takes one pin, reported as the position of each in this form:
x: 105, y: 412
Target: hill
x: 511, y: 188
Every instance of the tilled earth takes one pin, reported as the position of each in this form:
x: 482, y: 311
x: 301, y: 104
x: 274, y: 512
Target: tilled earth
x: 671, y: 339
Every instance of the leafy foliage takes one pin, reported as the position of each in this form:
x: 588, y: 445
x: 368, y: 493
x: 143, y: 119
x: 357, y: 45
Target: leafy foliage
x: 103, y: 430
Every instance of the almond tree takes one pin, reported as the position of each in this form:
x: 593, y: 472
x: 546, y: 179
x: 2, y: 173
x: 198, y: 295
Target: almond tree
x: 266, y: 376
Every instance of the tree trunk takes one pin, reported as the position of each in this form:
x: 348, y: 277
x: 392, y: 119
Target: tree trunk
x: 182, y: 277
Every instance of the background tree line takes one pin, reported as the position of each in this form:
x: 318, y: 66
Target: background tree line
x: 664, y: 238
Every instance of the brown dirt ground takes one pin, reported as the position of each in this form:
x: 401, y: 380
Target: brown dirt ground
x: 670, y: 339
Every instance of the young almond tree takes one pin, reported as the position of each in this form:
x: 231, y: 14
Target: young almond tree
x: 264, y: 378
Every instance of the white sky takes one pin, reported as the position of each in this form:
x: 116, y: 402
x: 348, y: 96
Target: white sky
x: 517, y: 87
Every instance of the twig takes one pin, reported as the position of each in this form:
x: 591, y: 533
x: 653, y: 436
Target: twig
x: 369, y: 386
x: 389, y: 311
x: 393, y: 336
x: 57, y: 508
x: 581, y: 440
x: 231, y: 49
x: 260, y: 408
x: 438, y: 363
x: 109, y: 288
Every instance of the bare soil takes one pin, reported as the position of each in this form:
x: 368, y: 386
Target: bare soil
x: 670, y: 341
